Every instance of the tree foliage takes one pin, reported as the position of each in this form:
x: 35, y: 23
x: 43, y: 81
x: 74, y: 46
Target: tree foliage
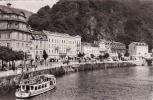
x: 106, y: 55
x: 45, y: 55
x: 7, y: 55
x: 81, y: 55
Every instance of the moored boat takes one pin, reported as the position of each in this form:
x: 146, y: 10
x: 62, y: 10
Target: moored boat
x: 35, y: 86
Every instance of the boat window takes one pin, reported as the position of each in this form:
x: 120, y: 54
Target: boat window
x: 23, y: 87
x: 27, y: 87
x: 31, y: 87
x: 36, y: 88
x: 51, y: 82
x: 39, y: 87
x: 43, y: 86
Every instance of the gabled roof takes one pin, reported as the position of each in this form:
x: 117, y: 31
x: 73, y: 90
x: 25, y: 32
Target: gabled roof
x: 39, y: 35
x: 89, y: 44
x: 8, y: 10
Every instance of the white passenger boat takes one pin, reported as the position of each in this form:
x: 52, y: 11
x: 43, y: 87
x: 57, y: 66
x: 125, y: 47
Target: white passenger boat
x: 35, y: 86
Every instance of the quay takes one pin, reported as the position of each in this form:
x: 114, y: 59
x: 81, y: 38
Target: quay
x: 9, y: 79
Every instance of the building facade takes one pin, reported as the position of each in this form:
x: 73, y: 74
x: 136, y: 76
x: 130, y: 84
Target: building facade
x: 61, y: 45
x: 14, y: 30
x: 138, y: 49
x: 39, y: 43
x: 90, y: 48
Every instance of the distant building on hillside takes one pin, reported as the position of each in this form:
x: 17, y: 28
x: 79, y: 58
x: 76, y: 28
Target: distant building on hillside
x: 90, y: 48
x: 138, y: 49
x: 61, y: 45
x: 14, y: 30
x: 39, y: 44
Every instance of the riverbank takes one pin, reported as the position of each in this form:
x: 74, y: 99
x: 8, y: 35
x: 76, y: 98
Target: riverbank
x: 9, y: 82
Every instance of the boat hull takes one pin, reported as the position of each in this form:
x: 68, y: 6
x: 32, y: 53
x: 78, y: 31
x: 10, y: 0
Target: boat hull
x: 33, y: 93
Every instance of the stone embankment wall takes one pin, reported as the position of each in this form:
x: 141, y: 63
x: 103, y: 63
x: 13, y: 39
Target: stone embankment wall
x: 7, y: 83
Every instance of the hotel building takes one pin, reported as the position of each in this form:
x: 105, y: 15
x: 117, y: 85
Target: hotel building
x: 138, y: 49
x: 61, y: 45
x: 14, y: 30
x: 38, y: 45
x: 115, y: 48
x: 90, y: 48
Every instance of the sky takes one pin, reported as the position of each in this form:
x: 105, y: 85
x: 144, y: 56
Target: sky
x: 30, y: 5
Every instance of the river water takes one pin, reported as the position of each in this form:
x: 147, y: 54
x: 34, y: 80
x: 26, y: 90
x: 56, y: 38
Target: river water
x: 130, y: 83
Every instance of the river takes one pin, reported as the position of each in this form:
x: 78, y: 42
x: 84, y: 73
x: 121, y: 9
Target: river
x: 129, y: 83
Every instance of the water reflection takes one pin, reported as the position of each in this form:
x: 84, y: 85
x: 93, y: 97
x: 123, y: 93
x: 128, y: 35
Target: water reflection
x: 133, y: 83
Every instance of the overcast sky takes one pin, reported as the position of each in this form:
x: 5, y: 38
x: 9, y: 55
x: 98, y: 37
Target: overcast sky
x: 30, y: 5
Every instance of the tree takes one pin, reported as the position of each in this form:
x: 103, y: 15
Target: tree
x: 126, y: 54
x: 92, y: 55
x: 100, y: 57
x: 45, y: 55
x: 106, y: 55
x: 83, y: 54
x: 80, y: 55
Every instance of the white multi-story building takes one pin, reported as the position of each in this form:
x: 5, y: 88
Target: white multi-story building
x: 90, y: 48
x: 138, y: 49
x: 62, y: 46
x: 39, y: 43
x: 14, y: 30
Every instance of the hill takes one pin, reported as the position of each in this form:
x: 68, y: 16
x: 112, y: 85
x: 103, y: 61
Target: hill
x: 120, y: 20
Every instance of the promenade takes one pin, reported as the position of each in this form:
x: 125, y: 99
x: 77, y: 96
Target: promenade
x: 39, y: 67
x: 49, y: 66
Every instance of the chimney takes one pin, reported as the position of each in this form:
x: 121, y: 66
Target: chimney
x: 9, y: 4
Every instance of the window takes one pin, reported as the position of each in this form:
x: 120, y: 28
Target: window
x: 36, y: 46
x: 8, y: 45
x: 43, y: 86
x: 27, y: 37
x: 23, y: 87
x: 39, y: 87
x: 31, y: 87
x: 22, y: 36
x: 36, y: 88
x: 18, y: 36
x: 27, y: 46
x: 8, y: 36
x: 0, y: 35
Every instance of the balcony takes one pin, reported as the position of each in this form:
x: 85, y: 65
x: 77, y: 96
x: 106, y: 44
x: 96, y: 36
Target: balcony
x: 12, y: 19
x: 68, y: 48
x: 14, y: 28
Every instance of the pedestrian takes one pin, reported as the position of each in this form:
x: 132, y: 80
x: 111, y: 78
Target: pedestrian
x: 27, y: 69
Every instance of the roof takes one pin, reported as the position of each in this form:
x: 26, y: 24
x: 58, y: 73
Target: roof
x: 7, y: 9
x: 60, y: 34
x: 89, y: 44
x: 37, y: 35
x: 114, y: 43
x: 140, y: 43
